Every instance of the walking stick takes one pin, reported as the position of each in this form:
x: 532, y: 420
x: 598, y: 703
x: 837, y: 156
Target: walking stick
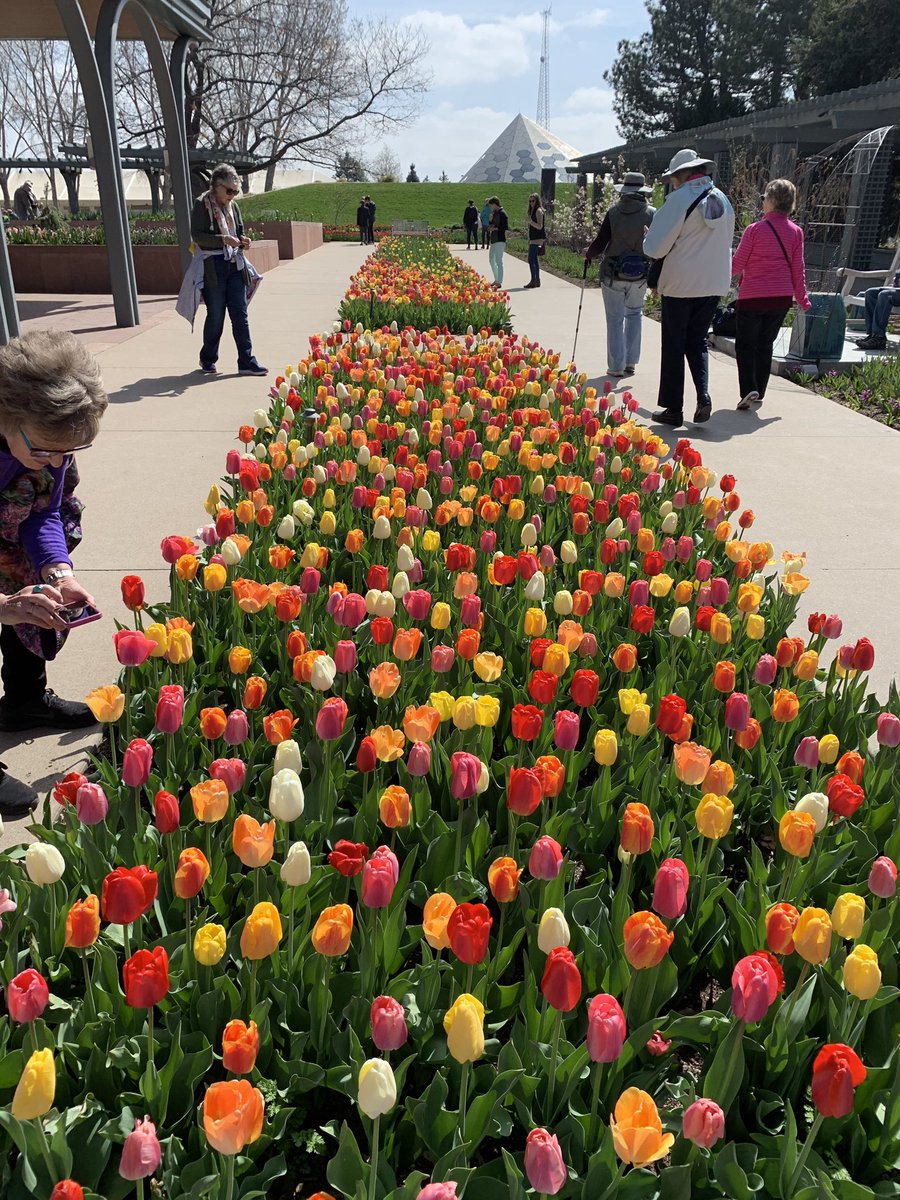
x: 580, y: 302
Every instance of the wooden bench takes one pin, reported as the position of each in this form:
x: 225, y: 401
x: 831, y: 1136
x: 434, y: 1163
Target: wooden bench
x: 419, y: 227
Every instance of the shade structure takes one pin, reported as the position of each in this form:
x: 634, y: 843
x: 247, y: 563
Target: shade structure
x: 519, y: 155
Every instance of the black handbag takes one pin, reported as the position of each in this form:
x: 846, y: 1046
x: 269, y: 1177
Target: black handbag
x: 656, y: 264
x: 724, y: 322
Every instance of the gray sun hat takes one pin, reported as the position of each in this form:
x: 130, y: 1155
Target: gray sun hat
x: 633, y: 184
x: 685, y: 159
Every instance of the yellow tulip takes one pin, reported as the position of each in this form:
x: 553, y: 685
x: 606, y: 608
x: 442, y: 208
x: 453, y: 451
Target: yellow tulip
x: 210, y: 944
x: 812, y: 935
x: 464, y: 1026
x: 862, y: 974
x: 848, y: 915
x: 36, y: 1088
x: 106, y: 703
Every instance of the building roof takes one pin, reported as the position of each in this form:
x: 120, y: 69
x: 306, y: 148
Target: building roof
x: 815, y: 123
x: 520, y: 153
x: 40, y: 20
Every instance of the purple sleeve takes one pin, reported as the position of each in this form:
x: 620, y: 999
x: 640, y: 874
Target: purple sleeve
x: 41, y: 534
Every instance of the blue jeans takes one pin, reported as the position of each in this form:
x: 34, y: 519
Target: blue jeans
x: 624, y: 304
x: 534, y: 261
x: 685, y: 324
x: 496, y: 259
x: 230, y: 296
x: 879, y: 302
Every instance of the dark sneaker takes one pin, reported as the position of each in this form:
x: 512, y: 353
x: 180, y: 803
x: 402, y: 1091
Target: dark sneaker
x: 703, y: 411
x: 50, y: 712
x: 630, y: 368
x: 668, y: 418
x: 210, y: 369
x: 873, y: 342
x: 17, y: 799
x: 253, y: 368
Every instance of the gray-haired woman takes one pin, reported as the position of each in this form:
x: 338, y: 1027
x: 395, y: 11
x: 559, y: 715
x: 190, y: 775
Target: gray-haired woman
x: 228, y: 279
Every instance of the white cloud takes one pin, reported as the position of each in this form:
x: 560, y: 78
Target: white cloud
x: 448, y: 138
x: 593, y: 99
x: 479, y: 53
x: 586, y: 119
x: 589, y: 20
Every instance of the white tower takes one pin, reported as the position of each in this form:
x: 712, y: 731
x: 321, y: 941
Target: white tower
x: 543, y: 102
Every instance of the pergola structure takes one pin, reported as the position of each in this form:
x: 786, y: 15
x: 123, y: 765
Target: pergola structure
x: 92, y: 29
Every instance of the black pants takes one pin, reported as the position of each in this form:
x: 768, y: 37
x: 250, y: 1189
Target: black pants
x: 24, y: 675
x: 363, y: 234
x: 756, y: 334
x: 685, y: 324
x: 471, y: 236
x: 230, y: 295
x: 370, y: 233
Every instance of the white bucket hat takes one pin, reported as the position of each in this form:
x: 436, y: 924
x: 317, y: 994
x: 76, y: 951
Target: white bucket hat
x: 685, y: 159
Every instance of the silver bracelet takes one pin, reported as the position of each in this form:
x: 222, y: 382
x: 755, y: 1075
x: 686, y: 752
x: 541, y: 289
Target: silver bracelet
x: 63, y: 573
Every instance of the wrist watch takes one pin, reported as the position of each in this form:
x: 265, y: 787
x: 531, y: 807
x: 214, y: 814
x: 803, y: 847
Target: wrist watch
x: 60, y: 573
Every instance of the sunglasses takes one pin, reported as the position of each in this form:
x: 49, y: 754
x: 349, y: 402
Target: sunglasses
x: 36, y: 453
x: 228, y: 191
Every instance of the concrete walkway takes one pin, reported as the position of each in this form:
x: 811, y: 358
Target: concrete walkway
x: 816, y: 474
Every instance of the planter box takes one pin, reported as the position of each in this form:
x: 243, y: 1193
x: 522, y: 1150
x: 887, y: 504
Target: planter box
x: 293, y: 237
x: 86, y: 268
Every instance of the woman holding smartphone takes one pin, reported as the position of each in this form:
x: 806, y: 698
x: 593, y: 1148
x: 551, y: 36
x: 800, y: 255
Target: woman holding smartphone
x: 51, y: 403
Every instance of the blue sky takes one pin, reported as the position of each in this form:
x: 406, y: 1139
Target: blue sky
x: 485, y: 61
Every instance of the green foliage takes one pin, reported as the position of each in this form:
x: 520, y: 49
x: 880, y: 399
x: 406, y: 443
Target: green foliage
x: 848, y: 43
x: 873, y: 388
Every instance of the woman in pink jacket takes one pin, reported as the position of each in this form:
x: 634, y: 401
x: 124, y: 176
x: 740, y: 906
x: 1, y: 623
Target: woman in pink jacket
x: 769, y: 263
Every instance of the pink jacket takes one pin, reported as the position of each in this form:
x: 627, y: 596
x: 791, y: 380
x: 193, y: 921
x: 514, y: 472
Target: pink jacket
x: 761, y: 265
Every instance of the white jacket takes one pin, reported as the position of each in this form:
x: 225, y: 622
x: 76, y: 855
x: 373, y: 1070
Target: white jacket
x: 697, y: 250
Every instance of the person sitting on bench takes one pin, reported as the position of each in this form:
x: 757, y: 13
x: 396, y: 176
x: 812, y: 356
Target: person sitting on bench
x: 879, y: 302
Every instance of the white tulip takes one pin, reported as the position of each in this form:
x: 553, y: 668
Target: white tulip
x: 261, y: 419
x: 260, y: 452
x: 534, y: 588
x: 381, y: 530
x: 44, y: 863
x: 568, y: 552
x: 529, y: 534
x: 286, y: 528
x: 405, y: 559
x: 536, y: 487
x: 319, y: 474
x: 665, y: 508
x: 295, y: 379
x: 385, y: 605
x: 816, y: 804
x: 553, y: 931
x: 615, y: 527
x: 304, y: 512
x: 282, y: 437
x: 563, y: 603
x: 400, y: 585
x: 371, y: 599
x: 484, y: 779
x: 393, y: 326
x: 389, y: 471
x: 287, y: 756
x: 670, y: 523
x: 363, y: 455
x: 286, y: 795
x: 424, y: 500
x: 231, y: 552
x: 300, y: 456
x: 377, y: 1088
x: 401, y: 383
x: 680, y: 624
x: 615, y: 466
x: 296, y: 868
x: 346, y: 422
x: 323, y: 673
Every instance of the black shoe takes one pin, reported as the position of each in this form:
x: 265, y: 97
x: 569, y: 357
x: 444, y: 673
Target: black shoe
x: 51, y: 712
x: 17, y: 799
x: 211, y: 369
x: 668, y: 418
x: 873, y: 342
x: 703, y: 411
x: 252, y: 368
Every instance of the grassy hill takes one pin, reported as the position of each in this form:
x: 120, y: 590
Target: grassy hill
x: 440, y: 204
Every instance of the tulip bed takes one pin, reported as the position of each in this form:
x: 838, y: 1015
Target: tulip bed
x: 417, y: 282
x: 471, y: 827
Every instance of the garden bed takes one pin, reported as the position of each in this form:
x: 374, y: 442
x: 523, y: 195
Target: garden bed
x: 872, y: 389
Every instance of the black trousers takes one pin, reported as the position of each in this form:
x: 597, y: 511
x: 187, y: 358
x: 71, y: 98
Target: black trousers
x: 24, y: 675
x: 471, y: 236
x: 685, y: 324
x: 756, y: 334
x: 363, y: 234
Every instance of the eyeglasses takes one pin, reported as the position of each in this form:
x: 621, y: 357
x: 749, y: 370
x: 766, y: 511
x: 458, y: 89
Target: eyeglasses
x: 228, y: 191
x: 36, y: 453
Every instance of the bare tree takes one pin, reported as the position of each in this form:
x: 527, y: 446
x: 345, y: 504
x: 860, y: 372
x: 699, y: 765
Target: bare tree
x: 13, y: 119
x: 385, y: 166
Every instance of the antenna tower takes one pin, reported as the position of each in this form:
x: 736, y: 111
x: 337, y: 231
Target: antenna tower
x: 543, y: 101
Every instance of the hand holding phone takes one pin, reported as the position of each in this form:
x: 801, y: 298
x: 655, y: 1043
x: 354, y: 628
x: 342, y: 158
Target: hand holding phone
x: 79, y: 614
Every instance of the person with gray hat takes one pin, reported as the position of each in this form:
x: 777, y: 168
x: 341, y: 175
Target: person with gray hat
x: 25, y: 204
x: 692, y: 234
x: 623, y: 272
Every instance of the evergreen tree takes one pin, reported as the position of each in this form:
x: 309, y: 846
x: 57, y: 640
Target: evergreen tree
x: 351, y: 168
x: 849, y: 43
x: 412, y: 177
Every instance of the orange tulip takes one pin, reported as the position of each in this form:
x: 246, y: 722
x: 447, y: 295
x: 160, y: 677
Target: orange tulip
x: 253, y: 843
x: 420, y: 724
x: 354, y: 541
x: 288, y: 603
x: 262, y: 932
x: 719, y: 778
x: 384, y: 679
x: 239, y: 660
x: 280, y: 557
x: 625, y: 657
x: 785, y: 706
x: 254, y: 692
x: 240, y: 1046
x: 210, y: 800
x: 503, y: 879
x: 191, y: 873
x: 723, y: 679
x: 637, y: 1130
x: 637, y: 828
x: 394, y: 807
x: 691, y: 762
x: 407, y: 643
x: 552, y: 774
x: 331, y: 934
x: 467, y: 643
x: 278, y: 726
x: 233, y: 1114
x: 212, y: 722
x: 389, y: 743
x: 646, y: 940
x: 83, y: 922
x: 438, y: 911
x: 796, y: 832
x: 251, y: 597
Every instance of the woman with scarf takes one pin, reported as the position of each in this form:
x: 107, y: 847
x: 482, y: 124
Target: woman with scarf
x: 228, y: 280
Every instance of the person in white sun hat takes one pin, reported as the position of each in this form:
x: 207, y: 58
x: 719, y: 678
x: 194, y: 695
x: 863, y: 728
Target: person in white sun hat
x: 693, y: 232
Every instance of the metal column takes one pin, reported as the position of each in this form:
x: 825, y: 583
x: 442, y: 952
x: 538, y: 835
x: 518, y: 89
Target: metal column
x: 9, y: 312
x: 108, y: 167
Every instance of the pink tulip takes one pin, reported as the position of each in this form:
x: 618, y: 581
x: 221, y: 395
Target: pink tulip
x: 883, y: 877
x: 237, y: 728
x: 703, y: 570
x: 657, y: 1045
x: 91, y: 804
x: 703, y: 1123
x: 310, y: 581
x: 807, y: 753
x: 718, y: 591
x: 233, y: 462
x: 27, y: 996
x: 465, y: 772
x: 639, y: 593
x: 354, y: 611
x: 418, y: 761
x: 345, y: 657
x: 670, y: 890
x: 606, y: 1030
x: 765, y: 671
x: 737, y: 712
x: 141, y: 1154
x: 470, y: 611
x: 754, y: 988
x: 566, y: 730
x: 442, y: 659
x: 331, y: 718
x: 137, y: 763
x: 389, y: 1030
x: 587, y: 647
x: 417, y: 604
x: 544, y: 1164
x: 133, y: 647
x: 438, y: 1191
x: 546, y: 859
x: 378, y: 883
x: 488, y: 543
x: 888, y: 730
x: 833, y: 627
x: 170, y: 708
x: 231, y: 771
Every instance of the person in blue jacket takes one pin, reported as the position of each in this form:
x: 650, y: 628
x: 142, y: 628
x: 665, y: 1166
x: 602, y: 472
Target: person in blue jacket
x: 486, y: 213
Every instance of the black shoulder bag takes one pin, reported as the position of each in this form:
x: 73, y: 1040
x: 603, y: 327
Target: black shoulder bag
x: 656, y: 264
x: 778, y: 239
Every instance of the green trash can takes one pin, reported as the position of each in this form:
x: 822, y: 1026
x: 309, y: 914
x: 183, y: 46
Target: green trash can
x: 819, y: 333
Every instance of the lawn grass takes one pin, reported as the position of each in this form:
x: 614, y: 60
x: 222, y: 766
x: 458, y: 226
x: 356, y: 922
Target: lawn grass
x: 440, y: 204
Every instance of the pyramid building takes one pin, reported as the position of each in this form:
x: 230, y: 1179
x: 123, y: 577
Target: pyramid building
x: 519, y: 155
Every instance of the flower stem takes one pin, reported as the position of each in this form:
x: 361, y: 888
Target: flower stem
x: 88, y: 987
x: 229, y: 1176
x: 188, y: 957
x: 614, y: 1186
x: 373, y: 1169
x: 554, y: 1059
x: 254, y: 968
x: 804, y: 1155
x: 595, y: 1101
x: 45, y: 1151
x: 291, y: 931
x: 460, y: 1135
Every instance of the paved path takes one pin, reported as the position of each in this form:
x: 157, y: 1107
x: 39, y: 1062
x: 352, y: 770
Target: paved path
x: 820, y: 477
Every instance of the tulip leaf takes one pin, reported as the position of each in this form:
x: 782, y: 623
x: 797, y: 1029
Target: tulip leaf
x: 731, y: 1176
x: 260, y: 1183
x: 675, y: 1183
x: 347, y: 1169
x: 432, y: 1119
x: 514, y: 1180
x: 726, y: 1072
x: 788, y: 1150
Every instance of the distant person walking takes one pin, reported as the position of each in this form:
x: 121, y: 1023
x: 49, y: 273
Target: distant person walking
x: 470, y: 221
x: 371, y: 227
x: 362, y: 220
x: 486, y: 214
x: 499, y: 226
x: 25, y: 204
x: 221, y: 272
x: 769, y: 263
x: 536, y: 239
x: 623, y: 272
x: 693, y: 232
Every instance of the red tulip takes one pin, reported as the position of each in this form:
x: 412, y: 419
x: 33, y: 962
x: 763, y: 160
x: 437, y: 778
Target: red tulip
x: 584, y: 688
x: 561, y: 982
x: 133, y: 647
x: 166, y: 812
x: 27, y: 996
x: 128, y: 892
x: 606, y: 1030
x: 468, y: 931
x: 65, y: 790
x: 542, y: 687
x: 526, y: 722
x: 137, y: 763
x: 133, y: 592
x: 844, y: 796
x: 837, y: 1070
x: 67, y: 1189
x: 671, y: 713
x: 146, y: 977
x: 524, y: 792
x: 366, y: 756
x: 348, y: 858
